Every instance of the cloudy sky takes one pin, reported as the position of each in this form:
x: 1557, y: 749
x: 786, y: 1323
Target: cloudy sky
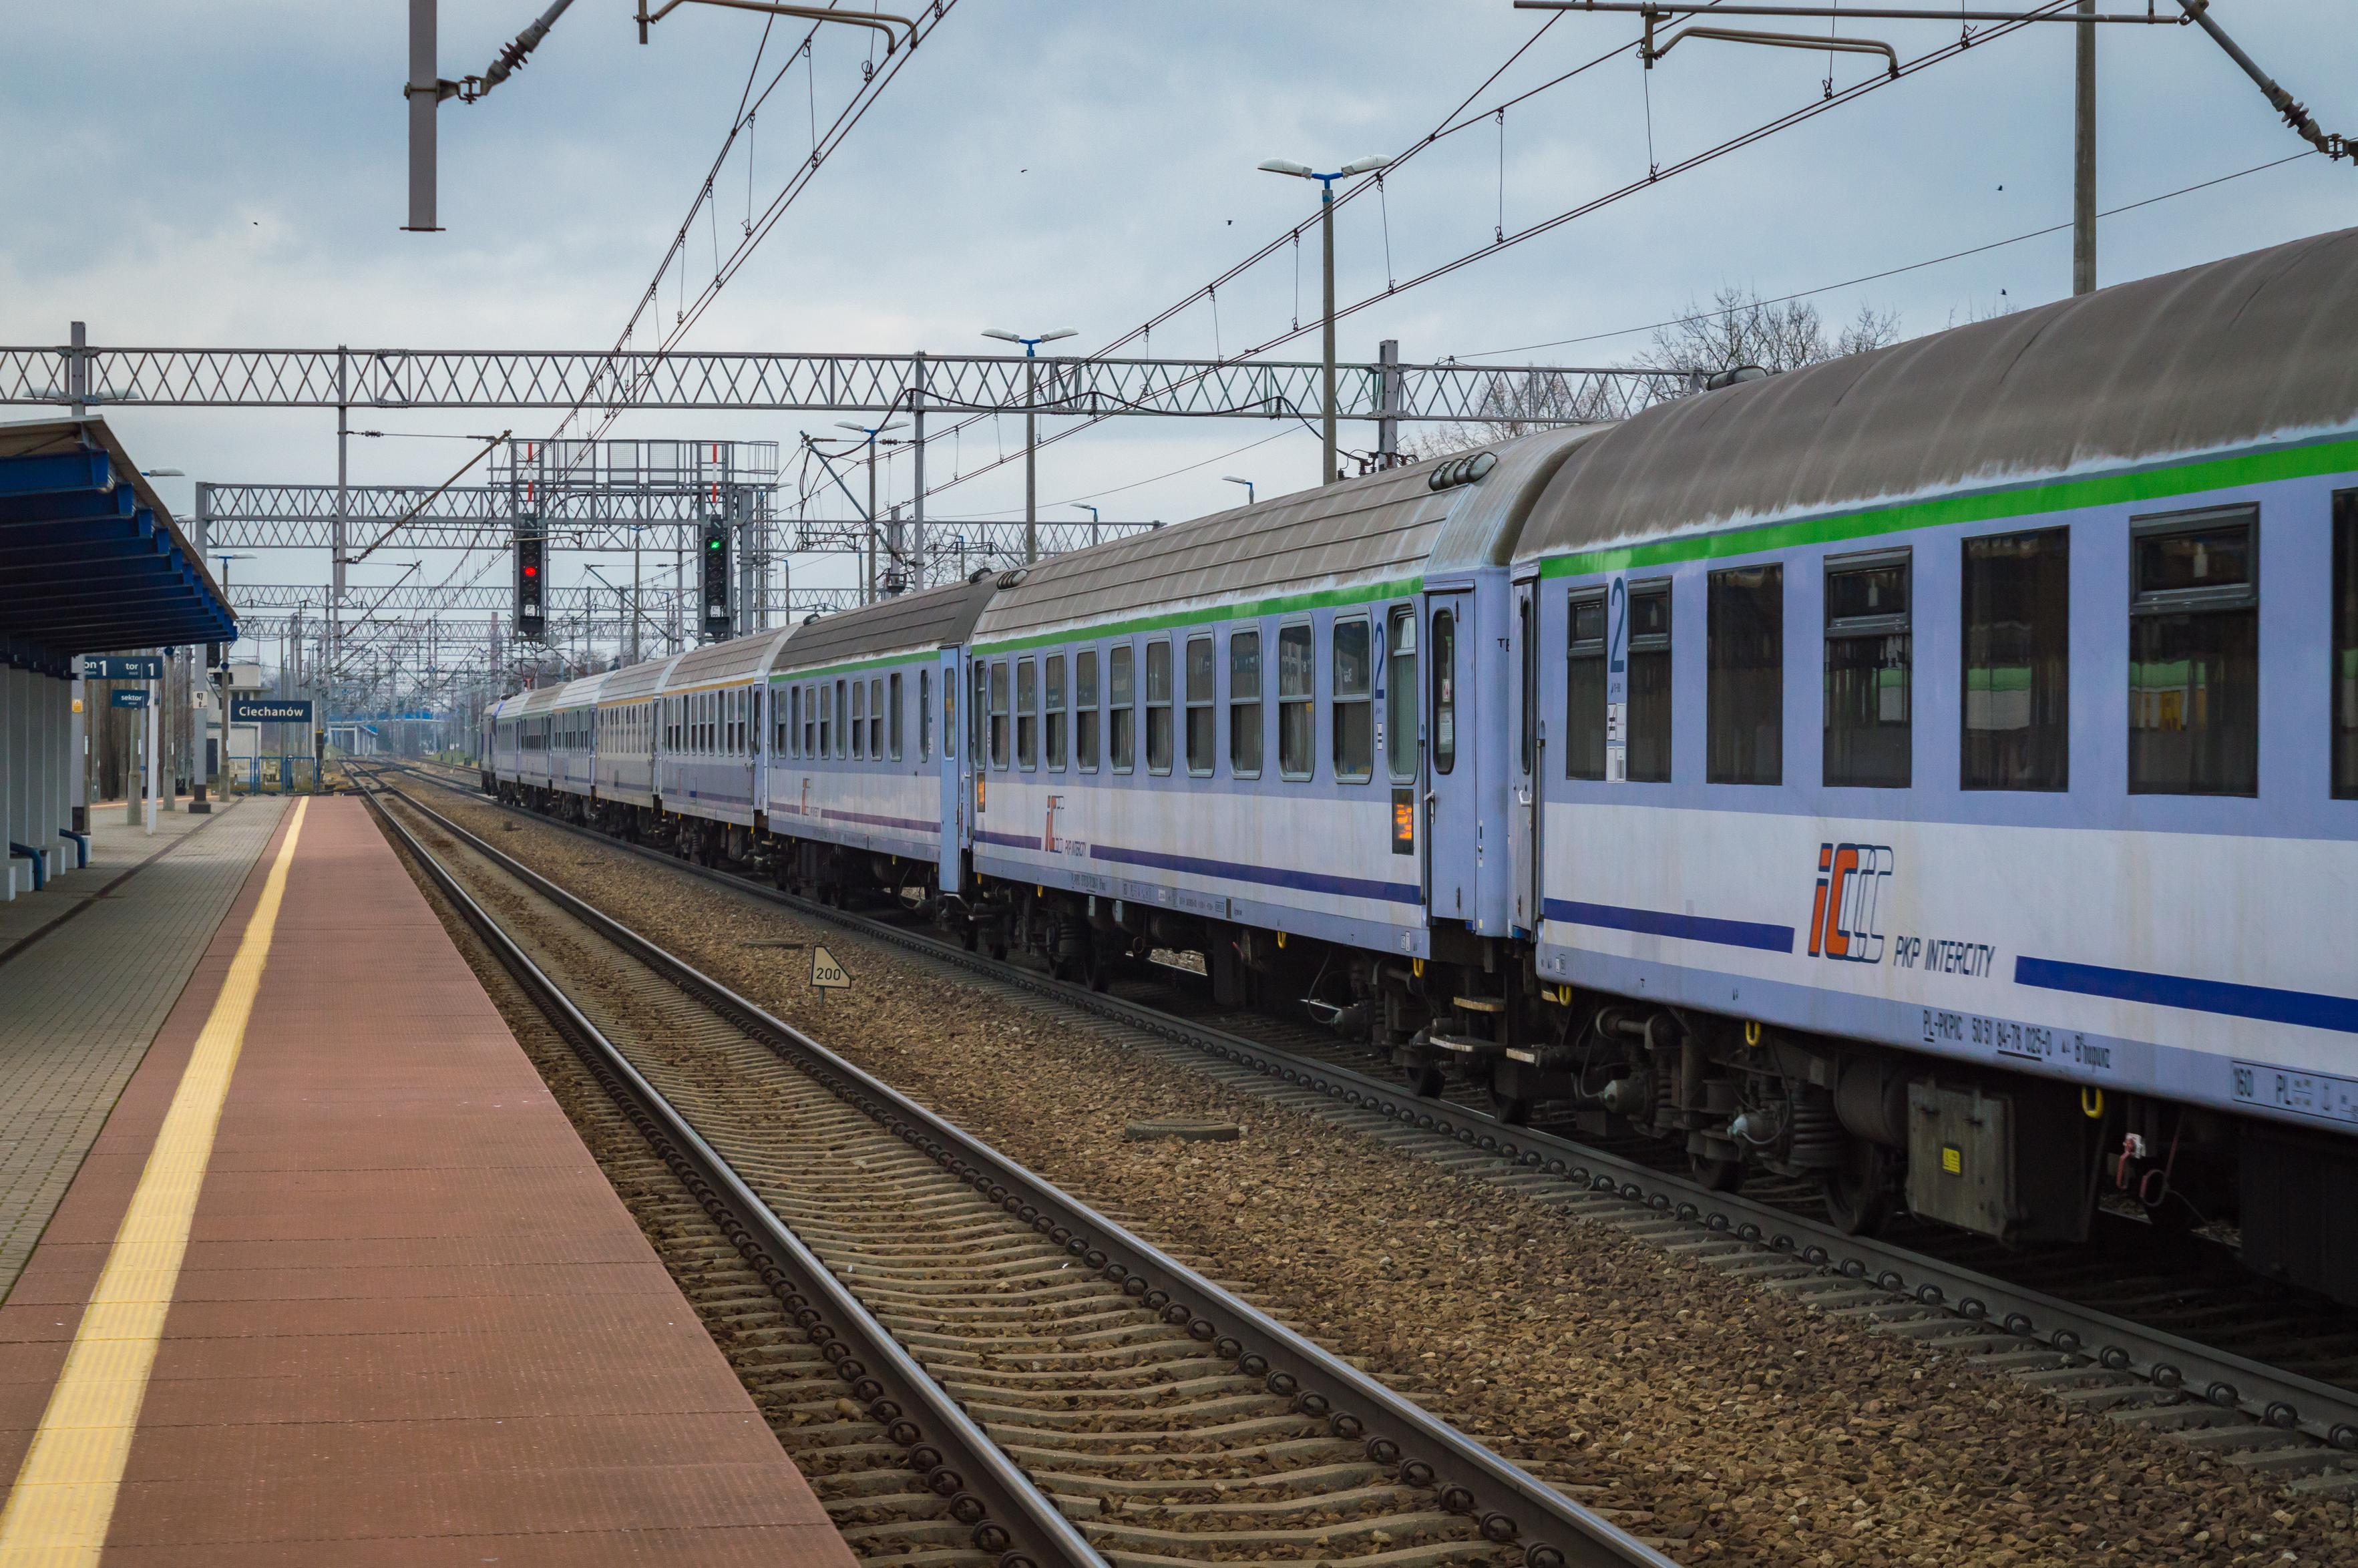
x: 232, y: 174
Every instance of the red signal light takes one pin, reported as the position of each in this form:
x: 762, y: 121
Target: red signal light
x: 531, y: 571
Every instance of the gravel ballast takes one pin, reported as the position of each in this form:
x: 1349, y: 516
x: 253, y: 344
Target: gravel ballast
x: 1755, y: 1430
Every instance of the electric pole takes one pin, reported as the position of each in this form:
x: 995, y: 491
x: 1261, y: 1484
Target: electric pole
x: 2083, y: 154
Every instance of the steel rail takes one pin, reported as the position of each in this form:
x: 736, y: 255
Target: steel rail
x: 1511, y: 1506
x: 2273, y: 1397
x: 1009, y: 1517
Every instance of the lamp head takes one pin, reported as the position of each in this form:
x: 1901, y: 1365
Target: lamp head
x: 1001, y: 333
x: 1059, y: 332
x: 1234, y: 479
x: 1366, y: 166
x: 1282, y: 165
x: 848, y: 425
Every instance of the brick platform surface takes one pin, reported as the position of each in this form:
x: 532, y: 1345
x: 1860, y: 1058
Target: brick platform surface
x: 80, y: 1004
x: 414, y: 1325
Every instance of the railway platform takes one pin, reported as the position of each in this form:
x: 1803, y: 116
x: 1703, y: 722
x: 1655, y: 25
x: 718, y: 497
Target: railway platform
x: 336, y: 1280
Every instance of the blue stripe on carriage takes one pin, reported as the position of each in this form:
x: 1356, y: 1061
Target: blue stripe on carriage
x: 1660, y: 923
x: 869, y: 819
x: 1232, y: 870
x: 1267, y: 876
x: 2310, y: 1010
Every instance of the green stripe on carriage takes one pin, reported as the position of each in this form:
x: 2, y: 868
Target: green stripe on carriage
x: 2302, y: 459
x: 1284, y: 604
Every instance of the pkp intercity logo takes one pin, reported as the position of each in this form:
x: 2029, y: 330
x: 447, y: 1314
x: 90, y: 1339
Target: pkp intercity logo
x: 1844, y: 921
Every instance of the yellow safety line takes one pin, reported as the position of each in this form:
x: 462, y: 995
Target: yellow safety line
x: 63, y: 1500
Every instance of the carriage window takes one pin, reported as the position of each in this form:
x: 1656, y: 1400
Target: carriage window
x: 1202, y: 727
x: 1085, y: 710
x: 998, y: 714
x: 1244, y: 704
x: 1027, y: 714
x: 791, y: 742
x: 1529, y: 604
x: 1297, y: 722
x: 1646, y: 725
x: 1444, y: 690
x: 892, y: 712
x: 1052, y: 674
x: 2343, y: 691
x: 1399, y: 695
x: 842, y: 722
x: 977, y: 711
x: 1869, y: 662
x: 814, y: 738
x: 1584, y: 702
x: 926, y: 714
x: 1121, y: 733
x: 876, y: 719
x: 2018, y: 633
x: 1744, y: 698
x: 1157, y: 706
x: 860, y: 718
x: 2194, y: 654
x: 1354, y: 709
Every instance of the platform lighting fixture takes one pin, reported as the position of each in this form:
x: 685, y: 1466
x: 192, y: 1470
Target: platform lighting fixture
x: 1085, y: 506
x: 1231, y: 478
x: 1031, y: 427
x: 1327, y: 233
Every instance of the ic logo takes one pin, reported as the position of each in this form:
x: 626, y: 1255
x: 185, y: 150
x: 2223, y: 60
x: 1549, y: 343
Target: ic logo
x: 1843, y: 920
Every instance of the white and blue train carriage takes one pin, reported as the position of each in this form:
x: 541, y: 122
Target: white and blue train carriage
x: 573, y: 742
x: 1286, y: 721
x: 525, y: 737
x: 629, y: 724
x: 864, y: 753
x: 708, y: 761
x: 1948, y: 766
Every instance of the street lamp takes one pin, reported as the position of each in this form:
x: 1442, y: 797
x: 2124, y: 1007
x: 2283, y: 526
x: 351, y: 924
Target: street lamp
x: 1085, y: 506
x: 868, y: 433
x: 1327, y: 231
x: 1232, y: 478
x: 1031, y: 427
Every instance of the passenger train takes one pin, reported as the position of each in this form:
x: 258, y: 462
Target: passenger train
x: 1506, y: 761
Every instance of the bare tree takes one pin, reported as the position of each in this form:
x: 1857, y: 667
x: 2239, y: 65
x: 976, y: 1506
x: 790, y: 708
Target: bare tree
x: 1739, y: 328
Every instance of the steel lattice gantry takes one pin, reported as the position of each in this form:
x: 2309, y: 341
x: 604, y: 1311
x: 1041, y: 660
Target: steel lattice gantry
x: 303, y: 516
x: 874, y: 384
x: 573, y: 601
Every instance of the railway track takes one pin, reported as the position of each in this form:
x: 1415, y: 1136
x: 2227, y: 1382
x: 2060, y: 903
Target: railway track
x: 2265, y: 1379
x: 973, y: 1364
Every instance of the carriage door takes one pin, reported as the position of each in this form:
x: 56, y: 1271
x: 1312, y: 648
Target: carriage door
x: 955, y: 758
x: 1530, y: 763
x: 1452, y: 811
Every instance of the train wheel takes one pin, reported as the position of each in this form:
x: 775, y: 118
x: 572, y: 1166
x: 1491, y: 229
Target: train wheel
x: 1717, y: 1176
x: 1423, y: 1079
x: 1859, y: 1196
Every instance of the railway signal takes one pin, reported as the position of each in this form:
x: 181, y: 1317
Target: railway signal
x: 531, y: 577
x: 714, y: 555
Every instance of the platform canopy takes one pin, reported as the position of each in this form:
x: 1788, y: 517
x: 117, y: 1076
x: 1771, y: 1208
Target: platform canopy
x: 90, y: 559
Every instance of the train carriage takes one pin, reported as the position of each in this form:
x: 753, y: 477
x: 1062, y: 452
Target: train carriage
x: 572, y: 740
x: 1976, y: 721
x: 708, y: 745
x: 629, y: 725
x: 863, y: 749
x: 1222, y: 735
